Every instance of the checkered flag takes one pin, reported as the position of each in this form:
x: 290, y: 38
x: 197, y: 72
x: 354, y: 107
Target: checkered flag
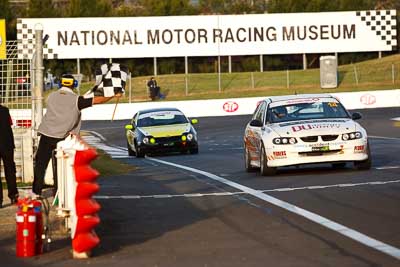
x: 110, y: 80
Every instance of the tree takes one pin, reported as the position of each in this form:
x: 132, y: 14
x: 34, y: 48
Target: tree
x: 7, y: 14
x: 41, y: 9
x: 167, y: 7
x: 89, y: 8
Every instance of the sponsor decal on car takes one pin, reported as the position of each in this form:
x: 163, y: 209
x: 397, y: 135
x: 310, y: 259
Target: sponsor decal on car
x: 230, y: 106
x: 306, y: 127
x: 311, y: 122
x: 279, y: 154
x: 359, y: 149
x: 368, y: 99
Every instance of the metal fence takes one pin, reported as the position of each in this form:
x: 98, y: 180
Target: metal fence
x: 15, y: 85
x: 15, y: 93
x: 383, y: 75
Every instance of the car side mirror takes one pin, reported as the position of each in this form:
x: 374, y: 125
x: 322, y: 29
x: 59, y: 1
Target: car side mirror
x: 256, y: 123
x: 356, y: 116
x: 129, y: 127
x: 194, y: 121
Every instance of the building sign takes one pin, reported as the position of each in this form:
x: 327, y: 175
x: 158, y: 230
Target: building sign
x: 174, y: 36
x: 3, y: 39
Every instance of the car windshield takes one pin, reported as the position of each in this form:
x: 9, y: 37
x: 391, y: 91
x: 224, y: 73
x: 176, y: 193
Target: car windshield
x: 305, y: 109
x: 160, y: 118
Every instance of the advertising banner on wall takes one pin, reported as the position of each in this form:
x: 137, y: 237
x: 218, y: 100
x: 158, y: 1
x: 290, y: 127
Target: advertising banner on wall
x: 2, y: 39
x: 176, y: 36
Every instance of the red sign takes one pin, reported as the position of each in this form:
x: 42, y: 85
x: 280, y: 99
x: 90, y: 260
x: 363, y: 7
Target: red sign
x: 368, y: 99
x: 230, y: 106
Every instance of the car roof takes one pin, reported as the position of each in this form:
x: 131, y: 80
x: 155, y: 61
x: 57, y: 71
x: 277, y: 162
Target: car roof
x: 294, y: 97
x: 143, y: 111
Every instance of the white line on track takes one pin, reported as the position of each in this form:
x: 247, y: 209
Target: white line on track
x: 384, y: 137
x: 341, y: 229
x: 225, y: 193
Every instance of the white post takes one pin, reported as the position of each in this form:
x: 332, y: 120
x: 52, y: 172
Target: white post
x: 393, y: 74
x: 130, y: 87
x: 155, y: 66
x: 230, y: 64
x: 304, y: 61
x: 186, y: 75
x: 261, y: 63
x: 287, y: 79
x: 219, y: 74
x: 355, y: 74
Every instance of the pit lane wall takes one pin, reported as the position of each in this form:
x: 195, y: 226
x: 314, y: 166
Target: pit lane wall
x: 236, y: 106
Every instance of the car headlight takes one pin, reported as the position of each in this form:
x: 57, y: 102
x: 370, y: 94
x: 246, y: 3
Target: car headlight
x: 189, y: 137
x: 351, y: 136
x: 149, y: 140
x: 284, y: 140
x: 183, y: 138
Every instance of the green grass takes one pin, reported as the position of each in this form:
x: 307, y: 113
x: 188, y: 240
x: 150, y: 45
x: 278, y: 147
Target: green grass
x: 106, y: 166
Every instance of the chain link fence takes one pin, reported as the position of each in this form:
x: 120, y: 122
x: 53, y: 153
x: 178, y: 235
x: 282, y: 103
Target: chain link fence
x: 15, y: 85
x: 385, y: 75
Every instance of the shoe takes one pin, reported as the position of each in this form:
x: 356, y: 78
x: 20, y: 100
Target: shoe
x: 14, y: 199
x: 1, y: 205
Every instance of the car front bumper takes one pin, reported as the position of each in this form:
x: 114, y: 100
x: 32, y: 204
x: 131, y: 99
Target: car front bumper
x: 168, y: 145
x: 342, y: 151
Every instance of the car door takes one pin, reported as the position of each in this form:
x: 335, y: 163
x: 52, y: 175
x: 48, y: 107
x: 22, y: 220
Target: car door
x: 254, y: 133
x: 131, y: 134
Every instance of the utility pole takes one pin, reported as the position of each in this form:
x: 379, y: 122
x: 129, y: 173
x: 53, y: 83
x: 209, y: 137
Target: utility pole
x: 37, y: 92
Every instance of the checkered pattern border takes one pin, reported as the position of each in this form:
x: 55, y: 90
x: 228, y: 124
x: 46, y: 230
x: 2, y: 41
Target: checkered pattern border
x: 383, y: 23
x: 26, y: 43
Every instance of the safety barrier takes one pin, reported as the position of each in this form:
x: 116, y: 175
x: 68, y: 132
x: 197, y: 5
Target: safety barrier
x: 76, y: 186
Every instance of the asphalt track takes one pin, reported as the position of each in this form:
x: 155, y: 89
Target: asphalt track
x: 207, y: 211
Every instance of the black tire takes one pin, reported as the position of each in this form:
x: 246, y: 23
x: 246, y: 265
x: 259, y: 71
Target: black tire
x: 194, y: 151
x: 139, y: 153
x: 365, y: 164
x: 247, y: 164
x: 339, y: 165
x: 130, y: 151
x: 264, y: 169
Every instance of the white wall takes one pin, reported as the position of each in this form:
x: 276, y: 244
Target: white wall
x: 236, y: 106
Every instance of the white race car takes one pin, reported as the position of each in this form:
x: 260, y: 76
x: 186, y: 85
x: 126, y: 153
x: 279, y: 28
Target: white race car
x: 302, y: 129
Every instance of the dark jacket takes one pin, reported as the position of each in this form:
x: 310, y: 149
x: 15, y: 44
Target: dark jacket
x: 6, y: 134
x: 152, y: 83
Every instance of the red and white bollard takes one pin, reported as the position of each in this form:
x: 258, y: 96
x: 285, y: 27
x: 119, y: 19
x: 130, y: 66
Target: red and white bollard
x: 84, y: 239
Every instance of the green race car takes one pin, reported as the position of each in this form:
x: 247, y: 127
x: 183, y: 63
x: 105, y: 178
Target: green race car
x: 161, y: 130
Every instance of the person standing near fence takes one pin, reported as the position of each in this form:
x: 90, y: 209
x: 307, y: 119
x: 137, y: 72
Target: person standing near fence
x: 63, y: 117
x: 7, y: 147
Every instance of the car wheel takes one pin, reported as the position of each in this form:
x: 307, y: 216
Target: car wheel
x: 130, y: 151
x: 247, y: 163
x: 194, y: 150
x: 265, y: 170
x: 340, y: 165
x: 365, y: 164
x: 139, y: 152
